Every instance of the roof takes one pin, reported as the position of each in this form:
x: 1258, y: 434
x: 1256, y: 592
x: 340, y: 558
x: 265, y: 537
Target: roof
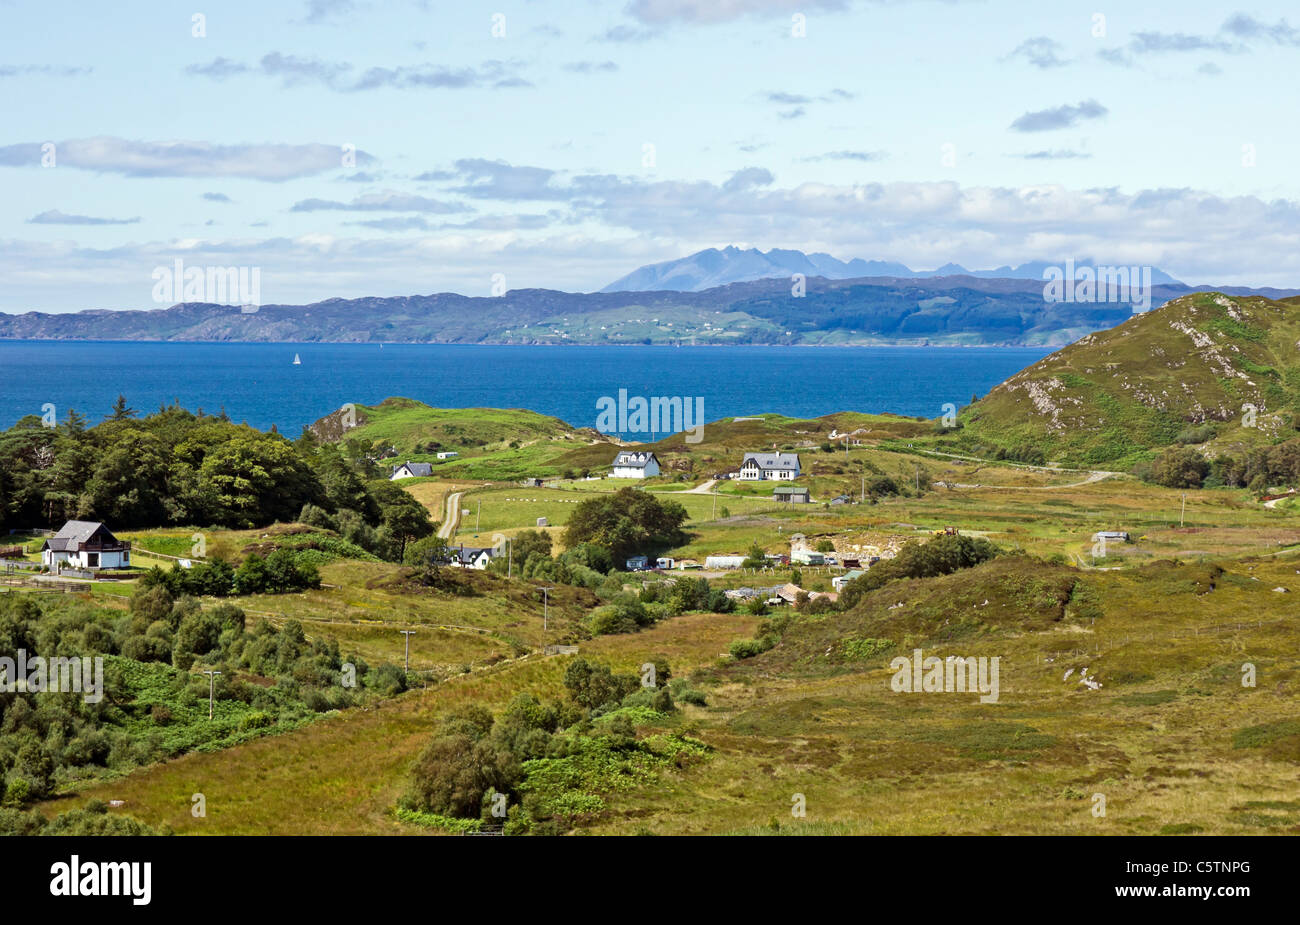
x: 415, y: 468
x: 779, y: 461
x: 470, y: 553
x: 74, y: 533
x: 789, y: 490
x: 850, y: 576
x: 635, y: 459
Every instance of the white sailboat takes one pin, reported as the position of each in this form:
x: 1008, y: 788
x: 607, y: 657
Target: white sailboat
x: 297, y: 360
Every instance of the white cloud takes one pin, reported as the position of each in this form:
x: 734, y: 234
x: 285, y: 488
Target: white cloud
x: 103, y: 154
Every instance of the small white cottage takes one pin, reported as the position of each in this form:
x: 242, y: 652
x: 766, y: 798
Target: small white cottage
x: 85, y: 544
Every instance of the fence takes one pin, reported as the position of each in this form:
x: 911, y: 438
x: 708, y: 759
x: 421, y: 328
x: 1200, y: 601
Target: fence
x: 45, y: 584
x: 1099, y: 647
x: 10, y: 564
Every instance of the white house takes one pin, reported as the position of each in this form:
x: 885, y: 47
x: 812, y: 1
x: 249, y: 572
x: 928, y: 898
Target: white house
x: 839, y: 581
x: 631, y: 464
x: 86, y: 544
x: 806, y: 556
x: 471, y: 557
x: 410, y: 470
x: 760, y: 466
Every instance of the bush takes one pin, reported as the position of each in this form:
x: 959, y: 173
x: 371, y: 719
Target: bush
x: 748, y: 648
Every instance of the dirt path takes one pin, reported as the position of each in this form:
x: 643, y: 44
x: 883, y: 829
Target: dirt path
x: 451, y: 520
x: 1097, y: 476
x: 701, y: 489
x: 1094, y: 475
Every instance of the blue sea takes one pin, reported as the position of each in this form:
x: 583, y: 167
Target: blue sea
x: 259, y: 383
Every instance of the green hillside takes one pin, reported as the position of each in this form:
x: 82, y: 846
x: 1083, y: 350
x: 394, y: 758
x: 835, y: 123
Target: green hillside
x: 1187, y: 373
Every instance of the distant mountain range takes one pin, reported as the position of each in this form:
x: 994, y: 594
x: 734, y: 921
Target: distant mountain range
x: 712, y: 267
x: 958, y: 310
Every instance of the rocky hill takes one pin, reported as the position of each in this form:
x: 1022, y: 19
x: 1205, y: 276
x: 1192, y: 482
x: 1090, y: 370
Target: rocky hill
x: 1207, y: 369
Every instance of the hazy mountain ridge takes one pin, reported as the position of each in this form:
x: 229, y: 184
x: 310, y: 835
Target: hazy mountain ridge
x: 944, y: 310
x: 713, y: 267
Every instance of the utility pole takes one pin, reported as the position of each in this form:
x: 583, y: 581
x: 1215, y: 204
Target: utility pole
x: 546, y: 601
x: 1183, y: 515
x: 478, y: 513
x: 864, y: 489
x: 406, y: 665
x: 510, y: 558
x: 211, y: 680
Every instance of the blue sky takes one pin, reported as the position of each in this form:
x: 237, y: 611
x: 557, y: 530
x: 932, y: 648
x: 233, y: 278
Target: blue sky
x: 983, y: 133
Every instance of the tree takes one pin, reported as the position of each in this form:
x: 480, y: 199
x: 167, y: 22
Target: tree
x: 1180, y: 467
x: 592, y: 684
x: 626, y: 522
x: 405, y: 518
x: 120, y: 410
x: 526, y: 545
x: 257, y: 480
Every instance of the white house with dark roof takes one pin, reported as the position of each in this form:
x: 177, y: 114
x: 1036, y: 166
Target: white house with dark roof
x: 86, y: 544
x: 758, y: 467
x: 634, y: 464
x: 411, y: 470
x: 471, y: 557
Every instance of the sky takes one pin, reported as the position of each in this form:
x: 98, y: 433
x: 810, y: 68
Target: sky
x: 350, y: 148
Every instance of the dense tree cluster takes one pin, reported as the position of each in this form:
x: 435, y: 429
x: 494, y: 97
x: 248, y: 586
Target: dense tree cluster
x: 1257, y: 469
x: 49, y: 738
x: 626, y: 522
x: 182, y: 467
x: 281, y: 572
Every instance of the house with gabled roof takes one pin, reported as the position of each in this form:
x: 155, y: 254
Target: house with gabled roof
x: 757, y: 467
x: 635, y: 464
x: 85, y: 544
x: 471, y: 557
x: 411, y: 470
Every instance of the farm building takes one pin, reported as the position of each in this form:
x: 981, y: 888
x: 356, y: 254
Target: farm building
x: 411, y: 470
x: 1118, y: 536
x: 85, y: 544
x: 721, y: 562
x: 758, y: 467
x: 631, y: 464
x: 791, y: 494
